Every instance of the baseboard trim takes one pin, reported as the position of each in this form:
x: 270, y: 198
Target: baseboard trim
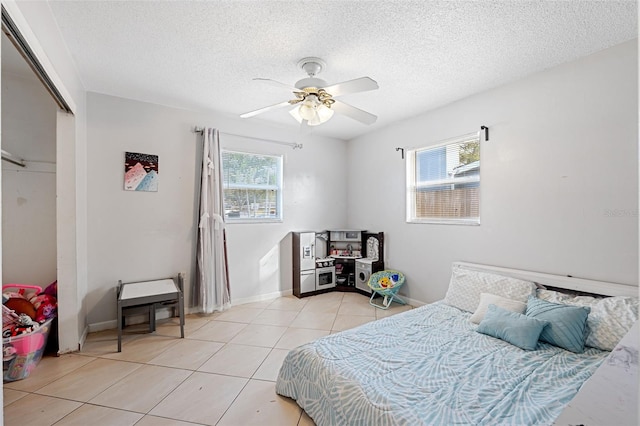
x: 261, y: 297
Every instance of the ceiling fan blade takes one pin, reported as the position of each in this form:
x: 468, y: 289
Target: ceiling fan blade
x: 265, y: 109
x: 277, y: 83
x: 361, y: 84
x: 353, y: 112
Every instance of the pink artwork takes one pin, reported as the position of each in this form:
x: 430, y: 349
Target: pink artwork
x: 140, y: 172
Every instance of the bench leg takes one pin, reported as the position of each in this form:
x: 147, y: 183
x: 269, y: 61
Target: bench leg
x: 181, y: 310
x: 152, y: 318
x: 120, y: 321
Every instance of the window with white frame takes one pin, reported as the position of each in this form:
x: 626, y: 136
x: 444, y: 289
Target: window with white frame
x: 443, y: 182
x: 252, y: 186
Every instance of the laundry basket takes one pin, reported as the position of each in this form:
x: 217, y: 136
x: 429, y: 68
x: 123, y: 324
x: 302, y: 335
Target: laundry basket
x: 386, y: 284
x: 27, y: 352
x: 22, y: 352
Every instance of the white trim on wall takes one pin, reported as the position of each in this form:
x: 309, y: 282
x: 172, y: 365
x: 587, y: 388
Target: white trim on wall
x: 25, y: 30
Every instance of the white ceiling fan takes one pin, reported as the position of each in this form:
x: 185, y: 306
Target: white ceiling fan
x: 315, y: 99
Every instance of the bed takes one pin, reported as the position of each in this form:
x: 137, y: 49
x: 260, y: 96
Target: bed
x: 430, y: 365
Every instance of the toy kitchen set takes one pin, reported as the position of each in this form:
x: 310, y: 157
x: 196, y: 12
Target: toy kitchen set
x: 340, y: 260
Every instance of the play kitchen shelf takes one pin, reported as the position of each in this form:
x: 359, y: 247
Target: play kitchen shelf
x: 345, y: 246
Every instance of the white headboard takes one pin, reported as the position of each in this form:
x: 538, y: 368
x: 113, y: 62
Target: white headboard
x: 570, y: 283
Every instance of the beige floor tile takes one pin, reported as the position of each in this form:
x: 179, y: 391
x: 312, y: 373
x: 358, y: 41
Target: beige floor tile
x: 271, y: 365
x: 258, y: 404
x: 345, y: 322
x: 305, y: 420
x: 288, y: 303
x: 143, y: 349
x: 355, y: 298
x: 395, y: 308
x: 315, y: 320
x: 239, y: 314
x: 49, y: 368
x: 187, y: 354
x: 149, y: 384
x: 104, y: 342
x: 161, y: 421
x: 99, y: 416
x: 202, y: 398
x: 257, y: 305
x: 325, y: 306
x: 236, y: 360
x: 10, y: 395
x: 357, y: 309
x: 170, y: 327
x: 37, y: 410
x: 218, y: 331
x: 89, y: 380
x: 335, y: 296
x: 294, y: 337
x: 259, y: 335
x: 275, y: 317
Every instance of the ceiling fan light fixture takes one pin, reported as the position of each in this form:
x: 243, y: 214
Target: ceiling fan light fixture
x: 324, y: 113
x: 308, y: 108
x: 315, y: 115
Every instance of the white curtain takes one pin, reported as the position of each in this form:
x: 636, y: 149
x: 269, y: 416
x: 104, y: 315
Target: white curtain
x: 212, y: 274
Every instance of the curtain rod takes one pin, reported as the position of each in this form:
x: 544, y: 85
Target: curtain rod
x: 6, y: 156
x: 291, y: 144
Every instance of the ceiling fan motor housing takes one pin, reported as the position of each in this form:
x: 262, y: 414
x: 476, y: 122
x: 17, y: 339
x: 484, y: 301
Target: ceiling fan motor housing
x: 311, y: 66
x: 310, y: 82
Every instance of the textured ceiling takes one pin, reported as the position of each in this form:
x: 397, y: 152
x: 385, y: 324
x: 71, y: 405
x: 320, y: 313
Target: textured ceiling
x: 423, y: 54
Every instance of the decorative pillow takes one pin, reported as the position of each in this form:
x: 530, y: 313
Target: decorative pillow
x: 466, y: 285
x: 609, y: 320
x: 519, y: 330
x: 567, y: 327
x: 502, y: 302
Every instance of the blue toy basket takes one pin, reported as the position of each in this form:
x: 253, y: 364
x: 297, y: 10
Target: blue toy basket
x: 386, y: 284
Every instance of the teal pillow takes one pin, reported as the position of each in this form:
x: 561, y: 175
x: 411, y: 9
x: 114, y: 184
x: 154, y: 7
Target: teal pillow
x: 512, y: 327
x: 567, y: 324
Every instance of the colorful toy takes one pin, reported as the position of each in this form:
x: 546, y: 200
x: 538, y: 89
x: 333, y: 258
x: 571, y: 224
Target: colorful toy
x: 386, y: 283
x: 45, y: 306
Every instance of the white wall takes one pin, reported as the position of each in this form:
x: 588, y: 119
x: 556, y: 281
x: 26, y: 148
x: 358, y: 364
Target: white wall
x: 28, y: 194
x: 559, y: 190
x: 145, y: 235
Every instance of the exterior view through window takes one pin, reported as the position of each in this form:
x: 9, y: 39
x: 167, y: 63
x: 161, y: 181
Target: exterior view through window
x: 252, y: 185
x: 443, y: 182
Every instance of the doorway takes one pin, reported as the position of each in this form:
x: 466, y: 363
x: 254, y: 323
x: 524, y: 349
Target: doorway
x: 29, y: 114
x: 58, y: 162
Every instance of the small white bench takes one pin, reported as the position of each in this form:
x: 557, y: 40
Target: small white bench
x: 146, y: 295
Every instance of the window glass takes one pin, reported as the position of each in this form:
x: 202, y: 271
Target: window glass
x: 252, y: 185
x: 443, y: 182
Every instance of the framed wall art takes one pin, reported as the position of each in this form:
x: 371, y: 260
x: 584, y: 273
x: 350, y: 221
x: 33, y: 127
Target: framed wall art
x: 140, y: 172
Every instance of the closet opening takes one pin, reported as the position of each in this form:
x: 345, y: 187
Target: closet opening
x: 38, y: 190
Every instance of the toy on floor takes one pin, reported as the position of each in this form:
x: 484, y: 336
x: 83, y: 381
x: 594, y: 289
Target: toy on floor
x: 386, y: 284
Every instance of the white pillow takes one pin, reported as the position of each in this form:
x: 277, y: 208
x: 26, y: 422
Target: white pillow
x: 487, y: 299
x: 466, y: 285
x: 609, y: 320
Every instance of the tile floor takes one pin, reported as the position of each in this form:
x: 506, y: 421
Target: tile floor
x: 222, y: 373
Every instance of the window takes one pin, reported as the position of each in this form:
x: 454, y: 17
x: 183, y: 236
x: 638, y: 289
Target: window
x: 443, y: 182
x: 252, y: 185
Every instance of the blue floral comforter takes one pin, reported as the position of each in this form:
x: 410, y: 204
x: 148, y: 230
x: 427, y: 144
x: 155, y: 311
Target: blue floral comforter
x: 429, y: 366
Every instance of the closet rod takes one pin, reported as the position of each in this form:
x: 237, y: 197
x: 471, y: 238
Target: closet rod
x: 291, y: 144
x: 6, y: 156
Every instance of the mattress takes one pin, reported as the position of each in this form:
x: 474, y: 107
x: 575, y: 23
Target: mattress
x: 429, y: 366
